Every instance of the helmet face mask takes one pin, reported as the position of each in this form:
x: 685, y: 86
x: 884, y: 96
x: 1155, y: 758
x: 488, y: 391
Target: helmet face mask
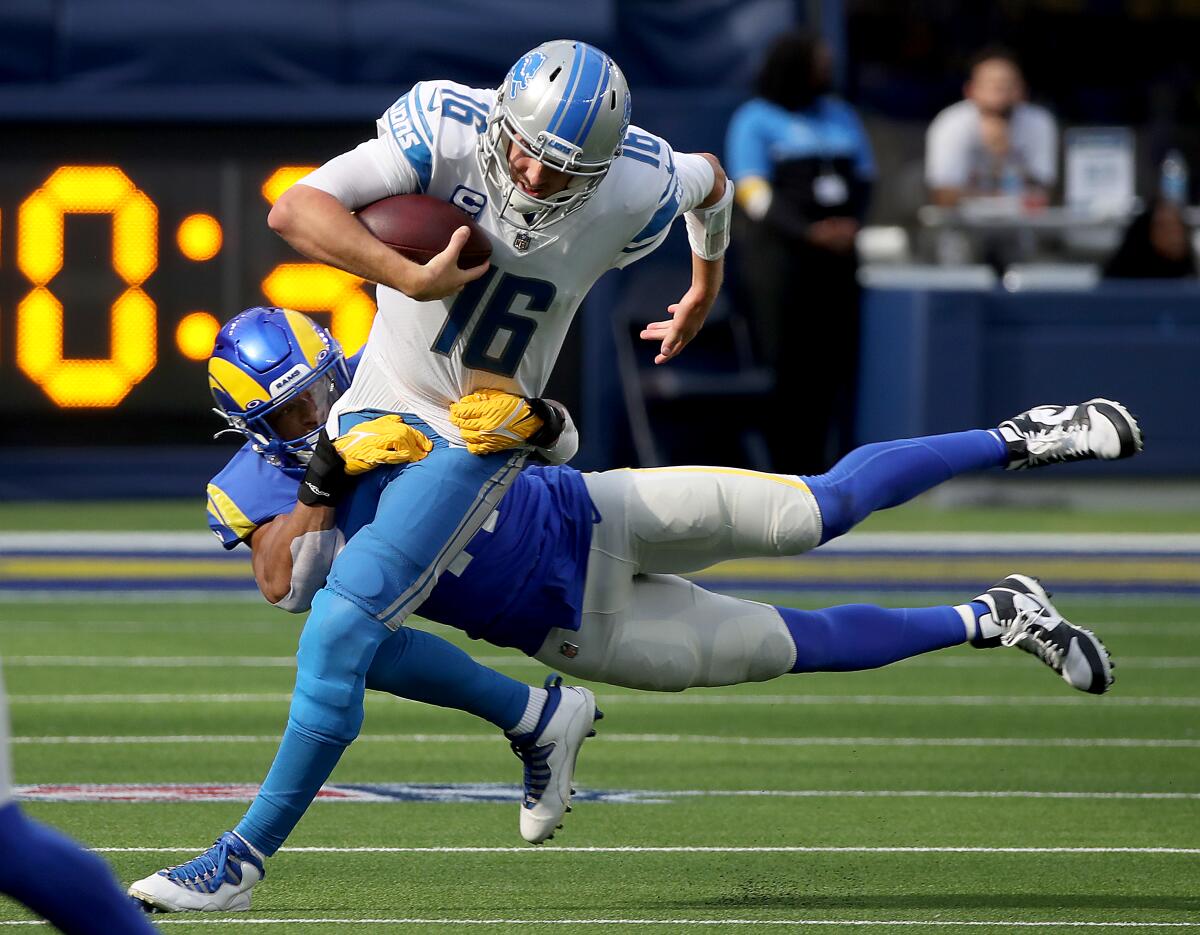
x: 566, y: 105
x: 274, y: 375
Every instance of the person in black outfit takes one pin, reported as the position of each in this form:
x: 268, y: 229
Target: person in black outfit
x: 1157, y: 245
x: 803, y: 168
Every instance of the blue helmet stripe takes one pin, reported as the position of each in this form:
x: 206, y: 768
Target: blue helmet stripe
x: 597, y: 103
x: 583, y: 95
x: 566, y: 98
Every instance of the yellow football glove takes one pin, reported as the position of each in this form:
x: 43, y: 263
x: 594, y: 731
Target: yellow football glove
x: 386, y: 440
x: 492, y: 420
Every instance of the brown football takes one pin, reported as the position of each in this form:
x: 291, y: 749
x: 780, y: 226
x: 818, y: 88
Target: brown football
x: 419, y: 227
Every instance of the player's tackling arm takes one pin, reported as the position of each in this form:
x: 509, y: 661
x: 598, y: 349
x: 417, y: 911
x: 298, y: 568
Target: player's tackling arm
x: 291, y: 555
x: 708, y: 233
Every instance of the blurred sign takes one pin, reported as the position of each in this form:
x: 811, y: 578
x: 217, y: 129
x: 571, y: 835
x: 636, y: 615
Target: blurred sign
x: 1099, y: 168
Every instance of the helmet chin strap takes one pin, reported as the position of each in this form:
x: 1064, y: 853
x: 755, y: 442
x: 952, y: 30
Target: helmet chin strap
x: 522, y: 203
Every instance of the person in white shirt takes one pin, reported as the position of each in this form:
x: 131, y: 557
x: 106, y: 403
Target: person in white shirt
x: 992, y: 142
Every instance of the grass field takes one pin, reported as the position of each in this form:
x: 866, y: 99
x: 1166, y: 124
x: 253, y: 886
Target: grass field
x: 962, y: 790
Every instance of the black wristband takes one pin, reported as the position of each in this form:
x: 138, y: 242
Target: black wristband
x: 554, y: 420
x: 326, y: 480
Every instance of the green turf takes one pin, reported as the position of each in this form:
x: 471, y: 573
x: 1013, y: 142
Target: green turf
x: 104, y: 516
x: 696, y: 746
x: 171, y: 515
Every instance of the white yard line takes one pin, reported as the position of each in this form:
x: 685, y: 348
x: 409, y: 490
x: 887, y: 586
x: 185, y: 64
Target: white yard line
x: 558, y: 923
x: 1136, y: 743
x: 945, y: 701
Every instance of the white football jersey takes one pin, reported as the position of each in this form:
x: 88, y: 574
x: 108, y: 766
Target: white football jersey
x: 505, y: 329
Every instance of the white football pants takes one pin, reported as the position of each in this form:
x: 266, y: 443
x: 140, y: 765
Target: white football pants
x: 644, y: 627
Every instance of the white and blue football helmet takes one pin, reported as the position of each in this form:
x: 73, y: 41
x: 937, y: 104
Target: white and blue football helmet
x: 566, y: 104
x: 264, y: 359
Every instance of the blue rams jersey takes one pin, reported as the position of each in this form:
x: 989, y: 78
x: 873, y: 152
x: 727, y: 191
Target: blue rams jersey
x: 521, y: 575
x: 524, y: 575
x: 247, y: 493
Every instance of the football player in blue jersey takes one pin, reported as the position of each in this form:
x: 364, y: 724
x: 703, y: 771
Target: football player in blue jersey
x: 36, y: 863
x: 565, y: 188
x: 581, y: 570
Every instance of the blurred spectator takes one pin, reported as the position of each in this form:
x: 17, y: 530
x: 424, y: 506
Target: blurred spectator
x: 993, y: 142
x: 803, y: 168
x: 1157, y: 245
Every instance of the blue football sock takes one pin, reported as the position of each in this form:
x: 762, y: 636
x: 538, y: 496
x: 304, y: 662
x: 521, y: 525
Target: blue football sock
x: 862, y: 636
x: 886, y: 474
x: 422, y: 667
x: 71, y: 888
x: 303, y: 763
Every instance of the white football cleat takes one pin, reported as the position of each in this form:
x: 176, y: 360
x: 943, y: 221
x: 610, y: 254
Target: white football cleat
x: 549, y: 752
x: 1097, y: 429
x: 219, y: 880
x: 1020, y: 614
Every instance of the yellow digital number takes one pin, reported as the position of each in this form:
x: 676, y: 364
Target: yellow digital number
x: 133, y: 325
x: 314, y: 287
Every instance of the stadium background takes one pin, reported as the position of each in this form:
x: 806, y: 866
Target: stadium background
x: 127, y: 635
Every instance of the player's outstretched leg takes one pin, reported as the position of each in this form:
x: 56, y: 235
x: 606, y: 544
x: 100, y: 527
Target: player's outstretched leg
x: 886, y: 474
x: 1019, y: 613
x: 219, y: 880
x: 665, y: 633
x: 1097, y: 429
x: 549, y: 752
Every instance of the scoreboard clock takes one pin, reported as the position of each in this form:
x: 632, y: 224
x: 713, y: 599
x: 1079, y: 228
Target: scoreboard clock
x: 122, y: 250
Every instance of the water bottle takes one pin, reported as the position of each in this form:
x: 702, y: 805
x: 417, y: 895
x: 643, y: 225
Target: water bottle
x: 1011, y: 182
x: 1173, y: 178
x: 1012, y: 189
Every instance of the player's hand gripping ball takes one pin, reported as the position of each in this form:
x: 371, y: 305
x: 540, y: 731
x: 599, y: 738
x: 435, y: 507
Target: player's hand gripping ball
x: 386, y: 440
x: 492, y: 420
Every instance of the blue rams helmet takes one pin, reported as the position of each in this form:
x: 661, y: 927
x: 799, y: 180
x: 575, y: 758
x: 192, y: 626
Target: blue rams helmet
x: 566, y: 104
x: 267, y: 361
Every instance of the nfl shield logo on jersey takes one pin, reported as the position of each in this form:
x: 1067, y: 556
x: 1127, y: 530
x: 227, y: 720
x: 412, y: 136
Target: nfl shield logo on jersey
x: 521, y: 241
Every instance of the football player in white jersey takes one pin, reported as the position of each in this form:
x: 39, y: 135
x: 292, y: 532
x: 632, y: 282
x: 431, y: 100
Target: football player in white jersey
x: 566, y: 190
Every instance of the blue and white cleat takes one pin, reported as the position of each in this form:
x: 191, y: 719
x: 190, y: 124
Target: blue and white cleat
x: 1020, y: 614
x: 219, y: 880
x: 1100, y: 429
x: 549, y: 752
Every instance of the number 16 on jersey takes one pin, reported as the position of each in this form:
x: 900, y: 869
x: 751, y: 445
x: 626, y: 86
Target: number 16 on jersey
x: 500, y: 336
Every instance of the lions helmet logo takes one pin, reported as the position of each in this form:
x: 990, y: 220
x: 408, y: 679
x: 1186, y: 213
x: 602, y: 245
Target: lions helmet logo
x: 523, y: 71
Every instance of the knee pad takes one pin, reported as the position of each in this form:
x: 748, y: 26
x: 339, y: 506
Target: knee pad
x: 366, y: 571
x: 336, y: 650
x: 751, y: 647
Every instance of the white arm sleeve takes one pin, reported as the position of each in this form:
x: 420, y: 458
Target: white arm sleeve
x: 365, y: 174
x: 708, y: 228
x: 312, y: 557
x: 696, y: 180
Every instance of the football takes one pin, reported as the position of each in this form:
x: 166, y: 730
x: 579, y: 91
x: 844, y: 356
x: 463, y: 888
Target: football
x: 419, y: 227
